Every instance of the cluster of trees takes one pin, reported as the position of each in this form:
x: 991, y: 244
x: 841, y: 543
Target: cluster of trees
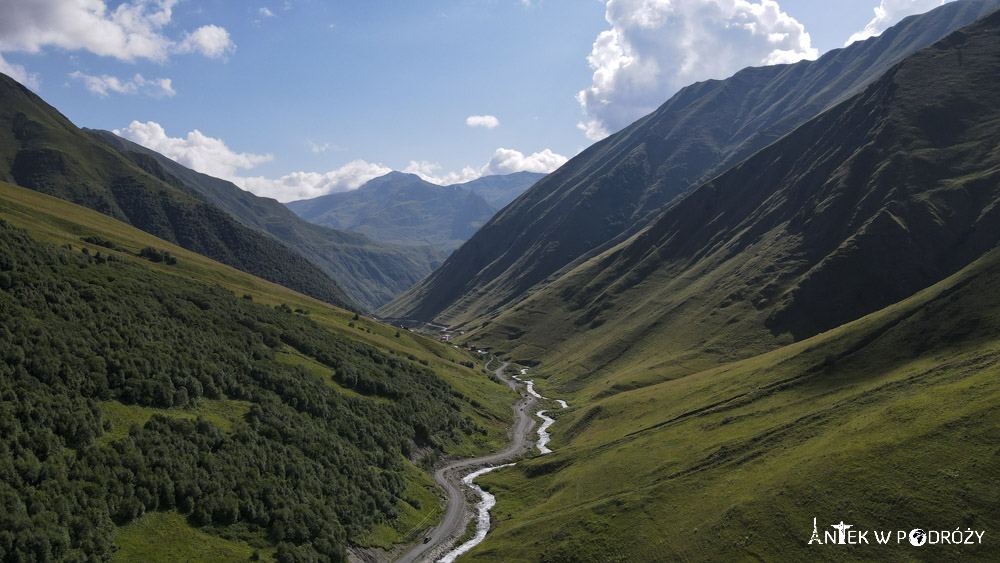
x: 308, y: 466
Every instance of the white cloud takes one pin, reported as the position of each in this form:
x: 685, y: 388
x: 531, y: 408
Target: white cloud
x: 508, y: 161
x: 432, y: 173
x: 128, y: 31
x: 317, y: 149
x: 503, y: 161
x: 197, y: 151
x: 656, y: 47
x: 19, y: 73
x: 890, y: 12
x: 210, y: 40
x: 266, y: 13
x: 102, y: 85
x: 211, y: 156
x: 306, y: 185
x: 487, y: 121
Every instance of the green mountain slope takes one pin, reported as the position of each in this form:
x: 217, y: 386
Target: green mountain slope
x: 617, y: 186
x: 401, y: 209
x: 372, y: 272
x: 884, y: 423
x: 40, y: 149
x: 889, y: 192
x: 141, y: 399
x: 887, y: 423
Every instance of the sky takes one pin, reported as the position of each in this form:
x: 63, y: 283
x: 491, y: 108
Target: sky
x: 293, y: 99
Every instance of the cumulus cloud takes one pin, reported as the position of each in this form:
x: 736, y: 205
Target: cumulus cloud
x: 131, y: 30
x: 503, y: 161
x: 104, y: 84
x: 431, y: 172
x: 487, y: 121
x: 890, y: 12
x: 212, y: 156
x: 19, y: 73
x: 266, y: 13
x: 210, y: 40
x: 306, y: 185
x: 197, y: 151
x: 656, y: 47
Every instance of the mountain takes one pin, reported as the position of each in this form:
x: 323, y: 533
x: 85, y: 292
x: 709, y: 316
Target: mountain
x: 164, y: 410
x: 617, y: 186
x: 372, y: 272
x: 401, y: 209
x: 40, y: 149
x: 499, y: 190
x: 867, y: 241
x: 866, y: 204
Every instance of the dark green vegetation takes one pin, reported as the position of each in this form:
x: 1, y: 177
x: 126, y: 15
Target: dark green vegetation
x: 812, y: 334
x: 127, y: 388
x: 401, y: 209
x: 307, y: 467
x: 616, y: 187
x: 371, y: 272
x: 500, y: 190
x: 40, y: 149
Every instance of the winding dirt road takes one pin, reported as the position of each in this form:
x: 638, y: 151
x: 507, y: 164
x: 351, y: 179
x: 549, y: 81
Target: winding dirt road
x: 450, y: 478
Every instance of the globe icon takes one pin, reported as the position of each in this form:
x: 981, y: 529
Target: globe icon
x: 918, y: 537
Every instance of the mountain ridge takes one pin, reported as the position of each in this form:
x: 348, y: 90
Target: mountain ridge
x: 615, y: 187
x: 402, y: 209
x: 371, y: 271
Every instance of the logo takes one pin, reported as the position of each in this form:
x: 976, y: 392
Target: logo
x: 847, y: 534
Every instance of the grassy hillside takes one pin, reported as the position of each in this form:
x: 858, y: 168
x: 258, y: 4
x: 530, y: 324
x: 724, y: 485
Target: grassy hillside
x: 887, y: 423
x: 877, y: 198
x: 401, y: 209
x: 616, y: 187
x: 40, y: 149
x: 372, y: 272
x: 116, y: 365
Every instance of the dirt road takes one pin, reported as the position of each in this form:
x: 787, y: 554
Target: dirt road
x: 450, y: 478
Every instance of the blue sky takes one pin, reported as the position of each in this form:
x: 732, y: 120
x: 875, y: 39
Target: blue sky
x: 294, y: 98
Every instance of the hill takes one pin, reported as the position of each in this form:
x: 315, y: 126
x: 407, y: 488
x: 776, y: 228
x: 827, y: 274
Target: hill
x: 617, y: 186
x: 871, y: 201
x: 148, y: 401
x: 40, y: 149
x: 370, y: 271
x: 401, y: 209
x: 680, y: 447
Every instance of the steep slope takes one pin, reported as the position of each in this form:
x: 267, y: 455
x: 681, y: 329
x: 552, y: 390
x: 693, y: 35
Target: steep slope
x: 887, y: 423
x: 40, y: 149
x: 372, y: 272
x: 135, y: 387
x: 401, y: 209
x: 871, y: 201
x: 499, y: 190
x: 618, y: 185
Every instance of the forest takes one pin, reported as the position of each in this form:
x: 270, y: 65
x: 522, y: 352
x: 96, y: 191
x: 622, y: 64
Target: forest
x: 309, y: 466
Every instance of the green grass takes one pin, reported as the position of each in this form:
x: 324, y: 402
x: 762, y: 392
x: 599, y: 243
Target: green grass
x: 222, y: 413
x: 887, y: 423
x: 166, y: 536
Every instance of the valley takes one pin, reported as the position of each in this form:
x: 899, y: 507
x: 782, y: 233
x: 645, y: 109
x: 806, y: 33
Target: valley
x: 755, y: 317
